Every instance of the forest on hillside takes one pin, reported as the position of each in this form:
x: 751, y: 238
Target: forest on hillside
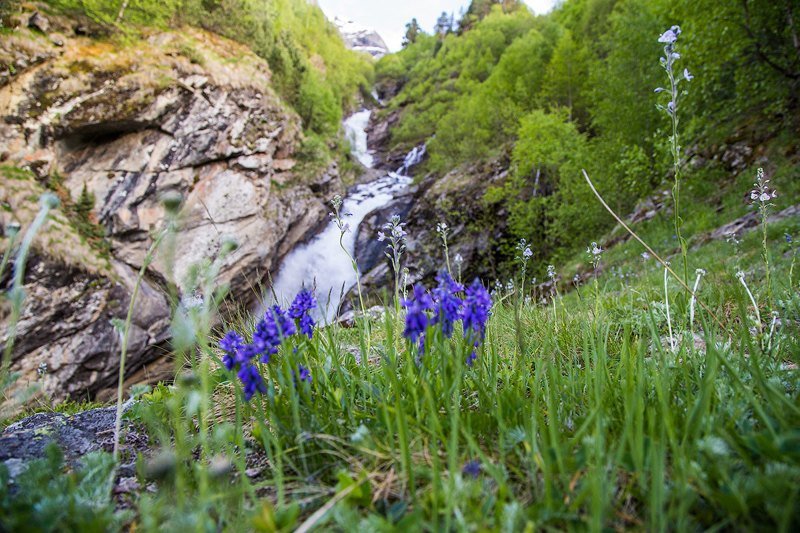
x: 582, y: 87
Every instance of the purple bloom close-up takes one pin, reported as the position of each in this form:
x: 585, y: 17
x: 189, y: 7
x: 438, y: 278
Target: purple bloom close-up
x: 232, y: 344
x: 251, y: 380
x: 475, y: 313
x: 269, y: 332
x: 416, y: 316
x: 447, y: 303
x: 303, y: 303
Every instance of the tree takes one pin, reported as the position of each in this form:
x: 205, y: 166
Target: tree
x: 85, y: 204
x: 412, y: 32
x: 566, y: 75
x: 442, y: 27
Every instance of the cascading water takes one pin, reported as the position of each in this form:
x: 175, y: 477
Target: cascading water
x: 321, y: 262
x: 355, y: 127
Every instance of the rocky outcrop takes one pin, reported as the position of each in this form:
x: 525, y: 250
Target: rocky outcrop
x: 190, y: 113
x: 455, y: 199
x: 361, y: 39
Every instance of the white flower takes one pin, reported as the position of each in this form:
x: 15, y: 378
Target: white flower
x: 686, y: 75
x: 381, y: 236
x: 700, y: 272
x: 527, y: 252
x: 645, y: 256
x: 668, y: 37
x: 551, y: 271
x: 458, y: 259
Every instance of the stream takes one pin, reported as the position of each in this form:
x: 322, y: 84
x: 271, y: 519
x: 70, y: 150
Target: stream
x: 321, y: 262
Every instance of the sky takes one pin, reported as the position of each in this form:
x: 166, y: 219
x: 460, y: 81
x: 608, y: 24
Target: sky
x: 389, y: 17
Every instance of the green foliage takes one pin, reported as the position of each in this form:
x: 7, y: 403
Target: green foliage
x: 46, y: 498
x: 590, y: 58
x: 317, y: 105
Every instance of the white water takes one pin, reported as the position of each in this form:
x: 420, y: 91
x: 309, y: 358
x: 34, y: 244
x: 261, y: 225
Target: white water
x: 355, y: 127
x: 321, y: 262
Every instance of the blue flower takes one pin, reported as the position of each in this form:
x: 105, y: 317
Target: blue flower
x: 472, y: 356
x: 269, y: 332
x: 303, y: 303
x: 475, y: 313
x: 472, y: 468
x: 788, y: 238
x: 416, y: 316
x: 305, y: 375
x: 232, y: 344
x: 251, y: 380
x: 447, y: 304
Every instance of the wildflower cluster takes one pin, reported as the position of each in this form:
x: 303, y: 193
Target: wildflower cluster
x: 761, y: 193
x: 669, y: 38
x: 338, y: 216
x: 595, y: 253
x: 394, y: 232
x: 448, y: 307
x: 276, y: 326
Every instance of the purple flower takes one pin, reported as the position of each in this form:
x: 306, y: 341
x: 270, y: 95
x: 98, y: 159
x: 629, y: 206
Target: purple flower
x: 416, y: 316
x: 472, y: 468
x: 475, y: 313
x: 305, y: 375
x: 232, y: 344
x: 299, y: 310
x: 251, y: 380
x: 447, y: 304
x: 269, y: 332
x: 472, y: 357
x: 788, y: 238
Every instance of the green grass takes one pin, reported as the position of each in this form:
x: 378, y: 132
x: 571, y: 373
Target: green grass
x: 585, y: 421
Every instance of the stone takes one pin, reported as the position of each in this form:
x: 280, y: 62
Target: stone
x: 37, y: 21
x: 219, y: 137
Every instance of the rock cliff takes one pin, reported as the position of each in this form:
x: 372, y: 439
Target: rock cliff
x: 121, y: 123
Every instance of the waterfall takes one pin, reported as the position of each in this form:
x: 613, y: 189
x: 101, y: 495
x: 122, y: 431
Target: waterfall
x: 355, y: 128
x: 321, y: 262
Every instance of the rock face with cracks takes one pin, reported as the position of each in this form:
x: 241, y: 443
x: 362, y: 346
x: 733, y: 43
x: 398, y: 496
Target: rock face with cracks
x: 126, y: 124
